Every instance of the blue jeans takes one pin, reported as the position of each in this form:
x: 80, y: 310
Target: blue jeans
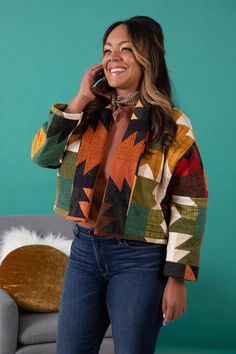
x: 111, y: 280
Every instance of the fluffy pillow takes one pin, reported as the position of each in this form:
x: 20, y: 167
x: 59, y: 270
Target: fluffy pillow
x: 17, y: 237
x: 33, y: 276
x: 32, y: 268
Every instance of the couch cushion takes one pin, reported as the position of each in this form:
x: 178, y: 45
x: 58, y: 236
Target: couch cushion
x: 36, y: 328
x: 108, y: 332
x: 48, y: 348
x: 39, y: 328
x: 107, y: 347
x: 8, y: 323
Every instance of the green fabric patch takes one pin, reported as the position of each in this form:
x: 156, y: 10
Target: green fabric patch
x: 192, y: 220
x: 67, y: 168
x: 45, y: 126
x: 63, y: 186
x: 136, y: 220
x: 201, y: 202
x: 51, y: 151
x: 193, y: 245
x: 186, y: 224
x: 142, y: 194
x: 153, y: 228
x: 183, y: 226
x: 200, y: 223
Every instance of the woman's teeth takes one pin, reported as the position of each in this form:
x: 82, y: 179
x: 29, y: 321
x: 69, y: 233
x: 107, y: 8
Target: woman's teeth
x: 115, y: 71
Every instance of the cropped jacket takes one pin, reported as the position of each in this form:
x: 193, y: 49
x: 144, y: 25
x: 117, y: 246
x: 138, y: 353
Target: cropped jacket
x: 162, y: 200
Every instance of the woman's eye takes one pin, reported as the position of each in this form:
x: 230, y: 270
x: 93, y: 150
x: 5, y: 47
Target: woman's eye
x: 126, y: 48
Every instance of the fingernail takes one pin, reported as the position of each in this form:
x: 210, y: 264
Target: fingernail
x: 164, y: 316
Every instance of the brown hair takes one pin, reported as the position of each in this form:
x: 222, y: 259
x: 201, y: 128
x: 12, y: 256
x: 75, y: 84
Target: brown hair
x: 155, y: 89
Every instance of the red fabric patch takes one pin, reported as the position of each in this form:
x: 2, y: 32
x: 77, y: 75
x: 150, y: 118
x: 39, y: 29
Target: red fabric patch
x: 187, y: 166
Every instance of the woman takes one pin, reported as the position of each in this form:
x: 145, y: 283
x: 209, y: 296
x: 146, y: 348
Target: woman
x: 131, y: 178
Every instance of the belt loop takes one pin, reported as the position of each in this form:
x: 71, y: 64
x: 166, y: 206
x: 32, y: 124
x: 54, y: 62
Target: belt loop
x: 119, y: 240
x: 76, y: 230
x: 91, y: 232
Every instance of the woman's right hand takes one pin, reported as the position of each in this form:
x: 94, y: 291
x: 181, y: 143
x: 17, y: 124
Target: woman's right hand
x: 87, y: 82
x: 85, y: 94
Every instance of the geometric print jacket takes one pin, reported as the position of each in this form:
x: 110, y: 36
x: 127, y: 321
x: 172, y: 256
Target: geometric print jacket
x: 167, y: 196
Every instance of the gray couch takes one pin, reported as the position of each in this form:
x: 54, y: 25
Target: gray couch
x: 34, y: 333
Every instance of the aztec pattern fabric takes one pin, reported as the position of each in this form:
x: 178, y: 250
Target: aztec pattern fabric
x: 114, y: 205
x: 162, y: 199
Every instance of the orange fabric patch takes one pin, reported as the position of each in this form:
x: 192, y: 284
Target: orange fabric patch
x: 38, y: 142
x: 94, y: 143
x: 189, y: 275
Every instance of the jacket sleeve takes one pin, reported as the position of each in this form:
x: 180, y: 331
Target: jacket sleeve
x: 188, y: 208
x: 51, y: 140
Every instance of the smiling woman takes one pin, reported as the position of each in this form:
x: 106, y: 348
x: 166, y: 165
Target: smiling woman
x: 132, y: 180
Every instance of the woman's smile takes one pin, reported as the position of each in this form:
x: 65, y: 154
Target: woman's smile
x: 117, y: 71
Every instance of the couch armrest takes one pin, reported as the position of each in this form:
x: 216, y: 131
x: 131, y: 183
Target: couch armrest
x: 8, y: 324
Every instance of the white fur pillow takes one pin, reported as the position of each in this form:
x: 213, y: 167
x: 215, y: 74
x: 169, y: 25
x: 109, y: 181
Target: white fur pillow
x: 20, y: 236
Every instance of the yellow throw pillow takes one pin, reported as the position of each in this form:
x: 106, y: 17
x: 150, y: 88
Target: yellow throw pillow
x: 33, y: 276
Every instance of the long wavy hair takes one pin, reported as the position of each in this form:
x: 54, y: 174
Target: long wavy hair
x: 147, y: 43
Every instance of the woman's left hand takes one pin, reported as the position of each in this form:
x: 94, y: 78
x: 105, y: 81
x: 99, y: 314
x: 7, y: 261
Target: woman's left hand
x: 174, y: 301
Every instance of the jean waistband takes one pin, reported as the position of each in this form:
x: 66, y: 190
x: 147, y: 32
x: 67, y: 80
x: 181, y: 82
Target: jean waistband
x: 88, y: 231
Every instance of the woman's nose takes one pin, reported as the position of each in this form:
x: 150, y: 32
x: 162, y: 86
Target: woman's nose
x: 114, y: 55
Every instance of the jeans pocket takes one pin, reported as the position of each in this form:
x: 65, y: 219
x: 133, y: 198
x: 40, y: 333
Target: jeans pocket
x: 135, y: 244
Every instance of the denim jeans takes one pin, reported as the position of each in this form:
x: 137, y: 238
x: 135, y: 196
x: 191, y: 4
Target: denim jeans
x: 111, y: 280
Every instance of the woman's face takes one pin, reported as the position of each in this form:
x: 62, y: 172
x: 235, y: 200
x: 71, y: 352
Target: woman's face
x: 121, y: 69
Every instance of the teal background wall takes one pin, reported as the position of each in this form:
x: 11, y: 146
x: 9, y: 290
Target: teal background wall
x: 46, y: 46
